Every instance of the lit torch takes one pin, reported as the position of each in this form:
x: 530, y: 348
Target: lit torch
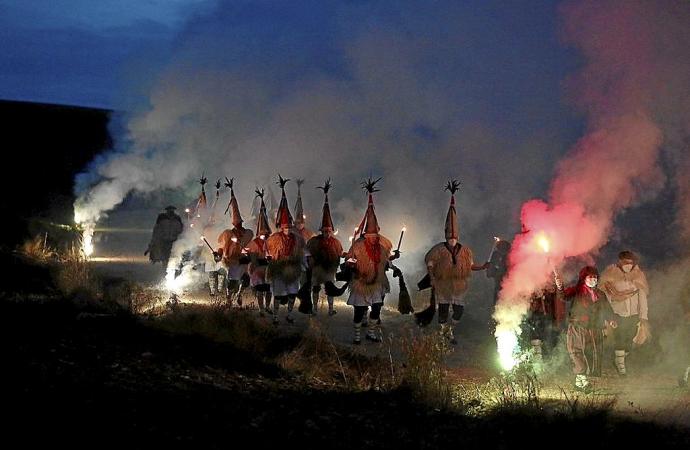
x: 493, y: 248
x: 209, y: 245
x: 545, y: 246
x: 402, y: 232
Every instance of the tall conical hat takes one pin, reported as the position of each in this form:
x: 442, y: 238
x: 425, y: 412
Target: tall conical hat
x: 214, y: 205
x: 369, y: 224
x: 236, y: 216
x: 299, y: 210
x: 452, y: 230
x: 326, y: 221
x: 201, y: 202
x: 262, y: 226
x: 283, y: 218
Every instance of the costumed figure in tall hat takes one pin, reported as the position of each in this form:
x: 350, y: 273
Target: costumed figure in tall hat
x: 212, y: 264
x: 324, y: 253
x: 232, y: 243
x: 306, y: 234
x: 201, y: 202
x: 369, y: 258
x: 285, y: 254
x: 300, y: 217
x: 450, y: 265
x: 258, y: 250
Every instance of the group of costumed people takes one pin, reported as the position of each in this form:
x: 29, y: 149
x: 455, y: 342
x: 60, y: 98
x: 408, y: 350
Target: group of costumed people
x: 292, y: 261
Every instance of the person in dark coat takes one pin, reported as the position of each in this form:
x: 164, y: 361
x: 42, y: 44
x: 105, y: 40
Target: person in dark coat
x: 544, y: 320
x: 590, y: 314
x: 165, y: 232
x: 498, y: 266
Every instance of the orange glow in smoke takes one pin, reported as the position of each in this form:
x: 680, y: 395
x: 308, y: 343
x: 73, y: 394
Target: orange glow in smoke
x: 543, y: 243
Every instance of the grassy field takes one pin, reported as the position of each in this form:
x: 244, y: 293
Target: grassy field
x: 81, y: 369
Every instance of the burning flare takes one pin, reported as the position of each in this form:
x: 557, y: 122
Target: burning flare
x: 507, y: 342
x: 543, y: 242
x: 88, y: 227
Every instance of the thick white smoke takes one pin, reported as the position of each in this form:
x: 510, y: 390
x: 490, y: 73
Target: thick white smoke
x: 246, y: 100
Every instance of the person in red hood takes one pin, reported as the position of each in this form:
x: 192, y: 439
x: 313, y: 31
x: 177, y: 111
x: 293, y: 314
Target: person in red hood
x: 590, y: 313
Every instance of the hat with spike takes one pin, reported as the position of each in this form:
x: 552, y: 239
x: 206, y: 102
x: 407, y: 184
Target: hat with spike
x: 201, y: 202
x: 299, y: 210
x: 262, y: 226
x: 369, y: 224
x: 326, y: 221
x: 236, y: 216
x: 214, y: 205
x: 452, y: 231
x: 283, y: 218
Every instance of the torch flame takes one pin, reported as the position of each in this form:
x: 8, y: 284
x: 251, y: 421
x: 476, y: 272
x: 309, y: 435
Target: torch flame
x: 497, y: 239
x: 404, y: 228
x: 544, y: 243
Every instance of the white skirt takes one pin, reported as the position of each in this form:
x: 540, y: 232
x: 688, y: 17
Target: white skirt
x: 357, y: 299
x: 281, y: 289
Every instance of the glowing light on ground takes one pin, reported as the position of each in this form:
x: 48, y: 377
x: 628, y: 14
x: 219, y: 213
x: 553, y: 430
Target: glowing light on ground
x: 508, y: 349
x: 119, y: 259
x: 88, y: 227
x: 87, y: 242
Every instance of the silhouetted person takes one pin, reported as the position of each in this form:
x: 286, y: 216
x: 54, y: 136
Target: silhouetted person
x: 498, y: 266
x: 165, y: 232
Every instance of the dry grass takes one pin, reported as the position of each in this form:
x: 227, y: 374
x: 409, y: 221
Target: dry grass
x: 317, y: 358
x: 424, y: 371
x: 239, y: 327
x: 73, y: 276
x: 38, y: 249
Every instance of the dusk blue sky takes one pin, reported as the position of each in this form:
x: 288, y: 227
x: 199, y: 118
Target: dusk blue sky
x: 508, y: 63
